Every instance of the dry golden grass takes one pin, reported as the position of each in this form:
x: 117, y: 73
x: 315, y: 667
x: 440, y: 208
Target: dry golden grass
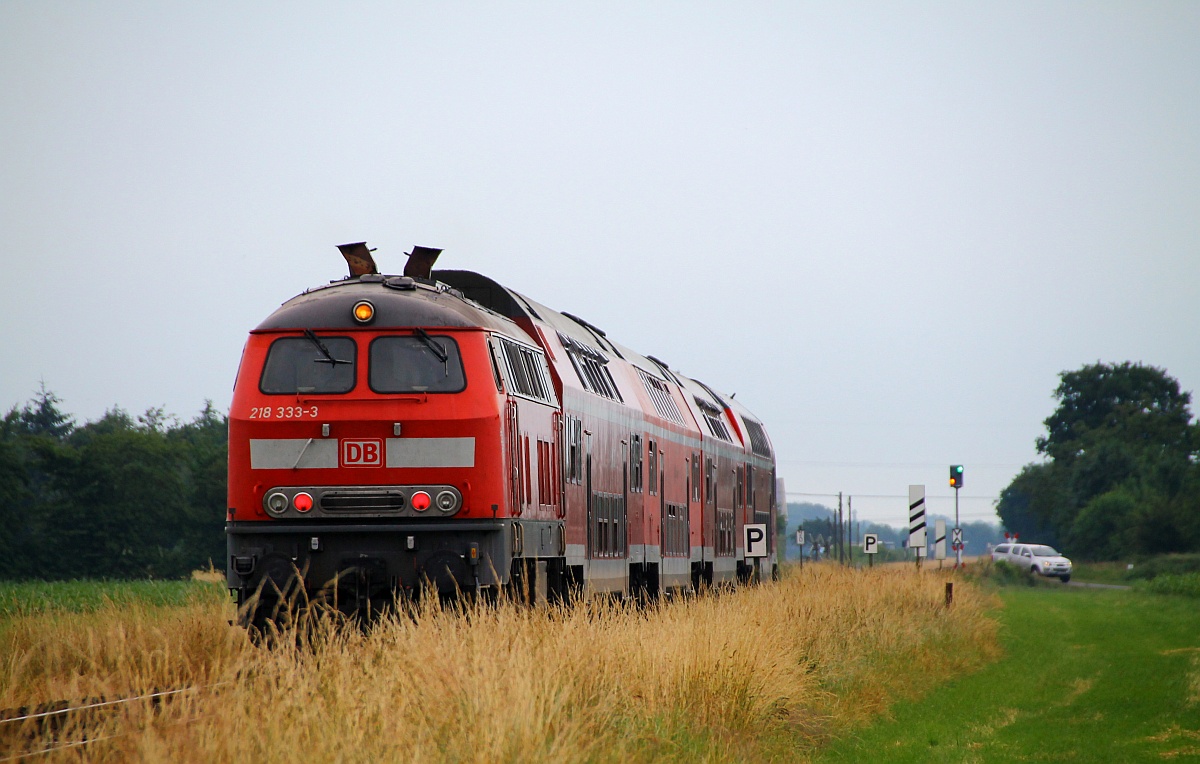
x: 764, y: 673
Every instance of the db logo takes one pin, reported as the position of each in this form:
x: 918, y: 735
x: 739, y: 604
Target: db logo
x: 362, y: 453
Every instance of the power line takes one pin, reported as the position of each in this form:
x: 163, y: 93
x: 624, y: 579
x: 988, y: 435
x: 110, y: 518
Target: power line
x: 902, y: 465
x: 888, y: 496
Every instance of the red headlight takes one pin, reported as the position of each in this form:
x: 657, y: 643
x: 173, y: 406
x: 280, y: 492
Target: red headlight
x: 302, y: 502
x: 420, y: 501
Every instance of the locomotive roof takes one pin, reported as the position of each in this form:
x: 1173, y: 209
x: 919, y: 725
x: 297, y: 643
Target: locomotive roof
x: 456, y: 298
x: 499, y: 298
x: 517, y: 306
x: 398, y: 300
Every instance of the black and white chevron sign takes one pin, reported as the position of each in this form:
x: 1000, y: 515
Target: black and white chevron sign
x: 916, y: 516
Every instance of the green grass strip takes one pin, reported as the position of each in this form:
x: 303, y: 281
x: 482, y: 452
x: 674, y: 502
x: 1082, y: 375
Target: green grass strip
x: 1184, y: 584
x: 1090, y: 675
x: 42, y: 597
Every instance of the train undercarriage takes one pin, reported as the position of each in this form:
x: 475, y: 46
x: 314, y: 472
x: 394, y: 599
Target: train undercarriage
x: 365, y: 569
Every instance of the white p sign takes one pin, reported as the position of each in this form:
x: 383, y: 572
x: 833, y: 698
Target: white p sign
x: 756, y: 540
x: 870, y: 543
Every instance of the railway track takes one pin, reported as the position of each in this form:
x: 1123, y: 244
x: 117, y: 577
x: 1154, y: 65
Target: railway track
x: 30, y: 724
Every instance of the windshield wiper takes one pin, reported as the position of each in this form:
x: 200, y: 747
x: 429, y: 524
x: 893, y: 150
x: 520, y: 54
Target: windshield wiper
x: 434, y: 347
x: 312, y: 337
x: 432, y: 344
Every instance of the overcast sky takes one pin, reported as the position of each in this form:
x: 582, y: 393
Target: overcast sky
x: 887, y: 227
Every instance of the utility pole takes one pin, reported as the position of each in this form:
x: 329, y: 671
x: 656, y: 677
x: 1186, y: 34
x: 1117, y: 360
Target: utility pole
x: 841, y: 550
x: 850, y: 529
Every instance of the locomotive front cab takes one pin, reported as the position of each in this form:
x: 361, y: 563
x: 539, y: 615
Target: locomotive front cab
x: 366, y: 450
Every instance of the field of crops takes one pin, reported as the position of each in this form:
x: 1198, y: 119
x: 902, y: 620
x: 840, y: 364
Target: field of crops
x: 769, y: 672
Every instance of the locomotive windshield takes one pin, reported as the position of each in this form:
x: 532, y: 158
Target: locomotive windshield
x: 309, y: 365
x: 416, y: 364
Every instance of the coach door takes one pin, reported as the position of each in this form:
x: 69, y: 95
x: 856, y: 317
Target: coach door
x: 695, y: 506
x: 708, y: 512
x: 591, y: 508
x: 631, y: 481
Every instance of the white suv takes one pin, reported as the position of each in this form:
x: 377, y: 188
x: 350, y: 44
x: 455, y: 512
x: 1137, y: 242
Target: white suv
x: 1036, y: 558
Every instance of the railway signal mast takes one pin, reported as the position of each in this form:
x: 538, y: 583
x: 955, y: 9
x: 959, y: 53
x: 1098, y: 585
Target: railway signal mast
x: 956, y: 481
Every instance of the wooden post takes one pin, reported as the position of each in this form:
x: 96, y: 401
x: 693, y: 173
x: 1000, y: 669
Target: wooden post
x: 949, y: 593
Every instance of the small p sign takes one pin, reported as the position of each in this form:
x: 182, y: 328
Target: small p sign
x: 870, y: 543
x: 756, y: 540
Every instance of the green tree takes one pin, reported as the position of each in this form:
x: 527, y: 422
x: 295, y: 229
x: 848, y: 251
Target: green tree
x: 206, y: 446
x: 1036, y: 504
x: 1140, y: 406
x: 40, y: 416
x: 31, y: 439
x: 116, y: 497
x: 1122, y: 476
x: 1103, y: 528
x: 15, y: 500
x: 125, y: 498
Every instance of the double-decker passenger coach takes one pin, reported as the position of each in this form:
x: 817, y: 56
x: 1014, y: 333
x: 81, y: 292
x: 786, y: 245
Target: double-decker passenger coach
x: 436, y: 430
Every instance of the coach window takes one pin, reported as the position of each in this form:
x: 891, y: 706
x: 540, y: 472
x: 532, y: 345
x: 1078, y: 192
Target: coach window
x: 653, y: 467
x: 695, y: 477
x: 309, y: 364
x: 416, y: 363
x: 573, y: 453
x: 592, y: 367
x: 709, y: 475
x: 635, y: 463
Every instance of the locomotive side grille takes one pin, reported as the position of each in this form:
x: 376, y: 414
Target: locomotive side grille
x: 362, y: 501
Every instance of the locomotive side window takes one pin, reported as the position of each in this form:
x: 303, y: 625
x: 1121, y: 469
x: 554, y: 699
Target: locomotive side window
x: 416, y: 363
x: 526, y: 372
x: 309, y: 364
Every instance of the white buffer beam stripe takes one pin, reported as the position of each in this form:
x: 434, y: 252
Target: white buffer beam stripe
x: 322, y: 453
x: 431, y: 452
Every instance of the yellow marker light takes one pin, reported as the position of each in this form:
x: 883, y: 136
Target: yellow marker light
x: 364, y: 312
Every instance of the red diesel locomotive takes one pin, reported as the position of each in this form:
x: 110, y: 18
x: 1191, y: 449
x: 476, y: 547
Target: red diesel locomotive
x: 438, y: 429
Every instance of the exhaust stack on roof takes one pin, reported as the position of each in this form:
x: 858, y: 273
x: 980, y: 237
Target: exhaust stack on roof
x: 358, y: 257
x: 420, y: 262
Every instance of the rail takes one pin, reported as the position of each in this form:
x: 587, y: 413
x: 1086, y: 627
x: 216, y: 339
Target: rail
x: 48, y: 717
